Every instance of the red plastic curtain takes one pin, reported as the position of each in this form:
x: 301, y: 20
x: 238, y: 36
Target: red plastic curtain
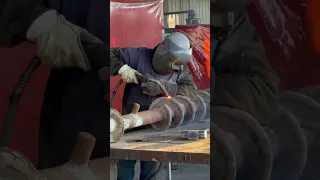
x: 134, y: 24
x: 199, y: 66
x: 283, y: 26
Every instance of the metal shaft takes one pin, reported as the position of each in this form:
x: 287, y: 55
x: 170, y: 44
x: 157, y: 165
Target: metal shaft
x: 163, y: 113
x: 136, y: 119
x: 13, y: 165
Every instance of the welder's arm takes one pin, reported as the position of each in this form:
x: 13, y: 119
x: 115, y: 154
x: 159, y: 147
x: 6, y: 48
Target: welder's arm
x: 59, y: 42
x: 186, y: 84
x: 15, y: 18
x: 116, y: 61
x: 120, y: 65
x: 244, y: 79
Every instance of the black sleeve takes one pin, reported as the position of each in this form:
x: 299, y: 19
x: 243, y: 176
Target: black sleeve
x: 244, y: 78
x: 15, y: 18
x: 116, y: 62
x: 186, y: 84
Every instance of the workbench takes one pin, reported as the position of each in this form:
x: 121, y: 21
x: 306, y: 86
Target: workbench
x: 165, y: 146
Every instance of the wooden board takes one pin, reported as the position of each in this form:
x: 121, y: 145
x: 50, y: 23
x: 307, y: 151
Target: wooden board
x: 165, y: 146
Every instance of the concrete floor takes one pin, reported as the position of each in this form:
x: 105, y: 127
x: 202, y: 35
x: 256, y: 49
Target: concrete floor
x: 185, y: 172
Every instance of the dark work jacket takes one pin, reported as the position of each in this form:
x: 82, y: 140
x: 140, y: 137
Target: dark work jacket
x: 140, y: 59
x: 244, y: 78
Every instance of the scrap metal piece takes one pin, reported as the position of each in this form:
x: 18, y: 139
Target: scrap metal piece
x: 194, y: 134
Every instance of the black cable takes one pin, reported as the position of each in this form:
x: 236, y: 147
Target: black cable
x: 14, y: 101
x: 115, y: 90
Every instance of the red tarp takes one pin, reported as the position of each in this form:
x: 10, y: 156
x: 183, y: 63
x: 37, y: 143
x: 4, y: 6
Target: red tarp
x: 134, y: 24
x: 199, y: 36
x: 282, y: 24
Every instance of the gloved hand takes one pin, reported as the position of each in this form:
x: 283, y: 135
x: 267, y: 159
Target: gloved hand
x: 59, y: 42
x: 128, y: 75
x: 153, y: 88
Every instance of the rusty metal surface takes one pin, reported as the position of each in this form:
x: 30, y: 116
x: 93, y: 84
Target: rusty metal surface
x: 176, y: 108
x: 136, y: 118
x: 165, y: 146
x: 164, y: 112
x: 14, y: 166
x: 97, y: 169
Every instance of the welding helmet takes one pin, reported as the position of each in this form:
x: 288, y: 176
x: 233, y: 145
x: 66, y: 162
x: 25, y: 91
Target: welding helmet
x: 223, y: 16
x: 172, y: 54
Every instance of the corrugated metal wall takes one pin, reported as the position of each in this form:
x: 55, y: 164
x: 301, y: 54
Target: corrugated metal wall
x: 201, y: 7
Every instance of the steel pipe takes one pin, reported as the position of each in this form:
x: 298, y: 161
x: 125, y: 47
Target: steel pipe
x: 163, y: 113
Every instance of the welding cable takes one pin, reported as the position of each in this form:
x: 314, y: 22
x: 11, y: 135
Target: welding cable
x: 14, y: 101
x: 114, y: 93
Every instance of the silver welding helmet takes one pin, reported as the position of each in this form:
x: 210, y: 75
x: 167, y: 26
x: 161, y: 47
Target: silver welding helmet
x: 172, y: 54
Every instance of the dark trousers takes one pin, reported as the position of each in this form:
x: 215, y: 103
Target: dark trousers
x: 126, y: 169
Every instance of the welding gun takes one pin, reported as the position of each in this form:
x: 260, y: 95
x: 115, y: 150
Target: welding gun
x: 142, y: 79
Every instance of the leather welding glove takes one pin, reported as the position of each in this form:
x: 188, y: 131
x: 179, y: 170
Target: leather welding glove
x: 128, y: 75
x: 153, y: 88
x: 59, y: 42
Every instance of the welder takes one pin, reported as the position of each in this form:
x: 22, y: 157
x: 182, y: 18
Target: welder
x: 244, y: 78
x: 74, y: 96
x: 246, y: 83
x: 166, y: 63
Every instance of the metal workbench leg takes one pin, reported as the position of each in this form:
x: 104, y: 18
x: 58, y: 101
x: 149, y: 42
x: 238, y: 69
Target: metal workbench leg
x: 113, y: 169
x: 169, y: 171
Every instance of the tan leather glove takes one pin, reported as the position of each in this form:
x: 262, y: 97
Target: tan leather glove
x: 59, y: 42
x: 128, y: 75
